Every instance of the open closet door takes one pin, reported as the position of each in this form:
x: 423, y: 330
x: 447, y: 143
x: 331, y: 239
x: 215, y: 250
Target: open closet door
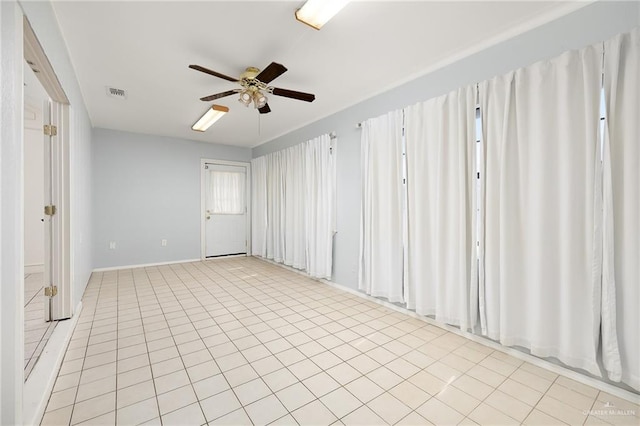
x: 57, y: 268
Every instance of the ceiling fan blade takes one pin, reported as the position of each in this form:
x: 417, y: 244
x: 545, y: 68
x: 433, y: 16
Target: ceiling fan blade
x: 265, y: 109
x: 271, y: 72
x: 301, y: 96
x: 213, y: 73
x: 219, y: 95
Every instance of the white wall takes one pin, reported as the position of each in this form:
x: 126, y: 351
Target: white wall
x: 11, y: 215
x: 145, y: 189
x: 591, y: 24
x: 33, y: 196
x: 34, y: 98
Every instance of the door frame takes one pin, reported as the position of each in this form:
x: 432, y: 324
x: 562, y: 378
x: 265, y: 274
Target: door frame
x: 58, y: 253
x: 203, y: 203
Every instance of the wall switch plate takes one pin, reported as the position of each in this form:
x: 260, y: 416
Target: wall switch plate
x: 163, y: 243
x: 112, y: 245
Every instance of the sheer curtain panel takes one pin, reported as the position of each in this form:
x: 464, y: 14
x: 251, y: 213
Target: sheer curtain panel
x: 440, y: 147
x: 275, y: 206
x: 295, y: 230
x: 320, y: 205
x: 294, y: 215
x: 259, y: 206
x: 381, y: 251
x: 622, y: 203
x: 542, y: 244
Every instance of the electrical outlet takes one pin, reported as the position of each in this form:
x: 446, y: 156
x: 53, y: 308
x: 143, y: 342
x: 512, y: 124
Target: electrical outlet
x: 163, y: 243
x: 112, y: 245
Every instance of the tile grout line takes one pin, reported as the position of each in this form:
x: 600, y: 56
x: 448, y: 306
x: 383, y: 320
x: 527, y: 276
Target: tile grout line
x: 179, y: 354
x: 85, y: 351
x: 144, y: 333
x: 248, y: 299
x: 322, y: 370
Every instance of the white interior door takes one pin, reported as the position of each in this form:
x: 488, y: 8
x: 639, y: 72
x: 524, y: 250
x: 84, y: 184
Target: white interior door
x: 225, y: 210
x: 48, y: 219
x: 57, y: 266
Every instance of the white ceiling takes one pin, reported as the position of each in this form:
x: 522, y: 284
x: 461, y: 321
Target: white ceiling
x: 370, y: 46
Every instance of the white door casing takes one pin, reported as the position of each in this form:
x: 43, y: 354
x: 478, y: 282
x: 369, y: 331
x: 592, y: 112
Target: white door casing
x: 61, y: 304
x: 58, y: 245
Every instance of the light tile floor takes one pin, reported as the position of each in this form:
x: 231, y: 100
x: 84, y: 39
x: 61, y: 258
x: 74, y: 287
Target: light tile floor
x: 241, y: 341
x: 36, y: 330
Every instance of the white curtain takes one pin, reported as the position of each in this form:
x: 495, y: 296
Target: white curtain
x: 295, y: 229
x: 441, y: 187
x: 259, y: 206
x: 542, y: 243
x: 226, y: 192
x: 320, y: 193
x: 381, y: 245
x: 294, y: 190
x: 622, y: 205
x: 275, y: 206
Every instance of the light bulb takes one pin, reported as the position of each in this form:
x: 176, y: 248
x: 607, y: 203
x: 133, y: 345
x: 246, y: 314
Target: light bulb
x: 245, y: 98
x: 259, y: 100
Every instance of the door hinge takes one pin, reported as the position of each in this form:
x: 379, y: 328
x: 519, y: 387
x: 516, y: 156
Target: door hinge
x: 51, y: 291
x: 50, y: 130
x: 50, y: 210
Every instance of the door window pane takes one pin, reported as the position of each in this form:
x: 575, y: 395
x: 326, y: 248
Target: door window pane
x: 226, y: 193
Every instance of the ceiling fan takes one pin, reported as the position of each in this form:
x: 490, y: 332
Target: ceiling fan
x: 253, y: 86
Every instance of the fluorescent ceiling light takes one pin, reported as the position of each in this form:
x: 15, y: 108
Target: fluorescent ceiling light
x: 212, y: 115
x: 316, y: 13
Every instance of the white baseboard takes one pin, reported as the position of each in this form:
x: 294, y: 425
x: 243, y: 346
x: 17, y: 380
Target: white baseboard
x: 288, y: 268
x: 539, y: 362
x: 144, y: 265
x: 33, y: 269
x: 38, y: 387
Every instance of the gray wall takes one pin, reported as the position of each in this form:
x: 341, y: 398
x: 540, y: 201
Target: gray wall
x: 591, y: 24
x: 145, y: 189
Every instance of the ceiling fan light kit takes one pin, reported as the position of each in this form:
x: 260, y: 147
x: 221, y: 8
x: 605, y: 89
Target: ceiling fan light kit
x: 245, y: 97
x: 316, y: 13
x: 212, y: 115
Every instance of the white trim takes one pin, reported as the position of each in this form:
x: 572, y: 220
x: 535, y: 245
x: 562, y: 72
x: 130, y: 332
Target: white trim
x: 57, y: 172
x: 557, y: 369
x: 144, y: 265
x: 34, y: 53
x: 34, y: 269
x: 60, y: 222
x: 247, y: 166
x: 38, y: 387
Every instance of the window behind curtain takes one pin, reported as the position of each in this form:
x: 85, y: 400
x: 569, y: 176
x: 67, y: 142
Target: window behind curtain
x: 226, y: 192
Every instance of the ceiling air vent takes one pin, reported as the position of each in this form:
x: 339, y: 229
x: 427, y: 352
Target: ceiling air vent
x: 116, y: 93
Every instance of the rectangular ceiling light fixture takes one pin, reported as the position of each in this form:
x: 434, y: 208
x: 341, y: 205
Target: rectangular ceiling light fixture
x: 316, y: 13
x: 212, y: 115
